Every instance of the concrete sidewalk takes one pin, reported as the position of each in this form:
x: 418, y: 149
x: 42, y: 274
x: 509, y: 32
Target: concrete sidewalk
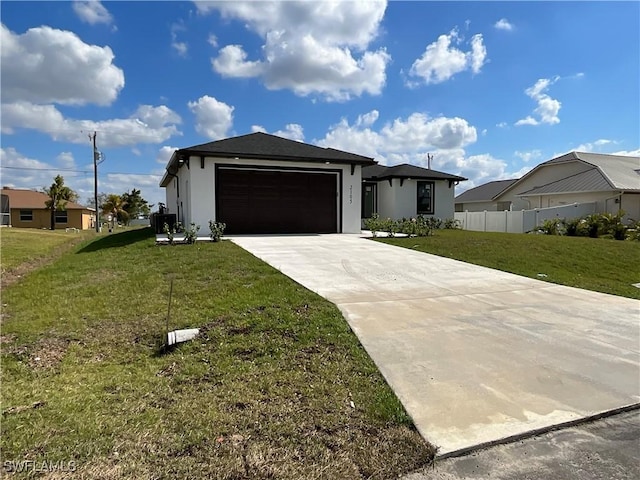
x: 475, y: 355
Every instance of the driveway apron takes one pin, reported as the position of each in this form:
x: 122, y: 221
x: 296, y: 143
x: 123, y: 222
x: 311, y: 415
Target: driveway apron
x: 475, y: 355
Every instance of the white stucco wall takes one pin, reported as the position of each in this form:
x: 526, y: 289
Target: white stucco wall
x: 631, y: 205
x: 401, y: 201
x: 198, y: 195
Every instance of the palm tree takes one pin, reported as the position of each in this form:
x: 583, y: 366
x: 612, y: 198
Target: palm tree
x: 114, y: 206
x: 59, y: 195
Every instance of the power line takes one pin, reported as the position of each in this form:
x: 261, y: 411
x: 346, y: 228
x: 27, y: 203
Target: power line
x: 76, y: 171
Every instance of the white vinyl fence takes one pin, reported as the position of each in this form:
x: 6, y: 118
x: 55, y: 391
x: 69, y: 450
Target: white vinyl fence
x: 520, y: 221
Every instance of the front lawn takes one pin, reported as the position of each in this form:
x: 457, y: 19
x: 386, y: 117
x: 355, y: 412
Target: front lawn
x: 24, y: 247
x: 275, y: 386
x: 603, y: 265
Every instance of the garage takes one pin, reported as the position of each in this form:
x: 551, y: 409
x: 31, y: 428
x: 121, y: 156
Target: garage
x: 263, y: 201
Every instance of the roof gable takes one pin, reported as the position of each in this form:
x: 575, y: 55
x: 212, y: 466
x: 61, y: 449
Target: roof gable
x: 485, y: 192
x: 618, y: 171
x: 590, y: 181
x: 405, y: 170
x: 33, y: 200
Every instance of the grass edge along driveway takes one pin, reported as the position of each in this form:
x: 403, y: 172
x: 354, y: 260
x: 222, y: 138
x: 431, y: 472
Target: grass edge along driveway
x: 601, y: 265
x: 276, y: 385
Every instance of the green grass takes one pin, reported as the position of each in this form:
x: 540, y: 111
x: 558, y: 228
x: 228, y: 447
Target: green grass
x: 602, y: 265
x: 265, y: 391
x: 21, y: 245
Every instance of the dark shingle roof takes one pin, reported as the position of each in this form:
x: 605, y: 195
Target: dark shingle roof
x: 486, y: 192
x: 405, y: 170
x: 270, y: 147
x: 263, y: 146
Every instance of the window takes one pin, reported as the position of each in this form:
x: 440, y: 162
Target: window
x: 425, y: 198
x: 26, y: 215
x: 61, y: 216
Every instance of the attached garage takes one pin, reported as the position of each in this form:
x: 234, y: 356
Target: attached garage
x: 264, y: 184
x: 253, y: 200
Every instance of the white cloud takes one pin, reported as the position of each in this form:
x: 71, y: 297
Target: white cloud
x: 403, y: 140
x: 628, y: 153
x: 504, y: 24
x: 45, y: 65
x: 232, y: 62
x: 66, y: 160
x: 311, y: 48
x: 23, y: 172
x: 213, y: 40
x: 213, y: 118
x: 292, y: 131
x: 181, y: 48
x: 502, y: 125
x: 92, y: 12
x: 411, y: 139
x: 529, y: 155
x: 442, y: 60
x: 547, y: 109
x: 592, y: 146
x: 164, y: 154
x: 147, y: 124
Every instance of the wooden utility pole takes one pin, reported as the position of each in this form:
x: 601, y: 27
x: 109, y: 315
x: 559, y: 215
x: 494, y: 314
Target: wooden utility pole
x: 95, y: 179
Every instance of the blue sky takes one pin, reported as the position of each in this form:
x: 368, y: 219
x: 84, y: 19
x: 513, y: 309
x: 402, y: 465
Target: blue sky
x: 489, y: 88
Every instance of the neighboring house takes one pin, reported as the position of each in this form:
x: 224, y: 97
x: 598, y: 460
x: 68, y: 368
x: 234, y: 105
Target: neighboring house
x: 27, y: 209
x: 611, y: 181
x: 261, y: 183
x: 481, y: 198
x: 404, y: 191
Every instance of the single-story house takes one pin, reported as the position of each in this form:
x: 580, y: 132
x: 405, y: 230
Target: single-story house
x: 261, y: 183
x: 27, y: 209
x: 481, y: 198
x: 612, y: 182
x: 404, y: 191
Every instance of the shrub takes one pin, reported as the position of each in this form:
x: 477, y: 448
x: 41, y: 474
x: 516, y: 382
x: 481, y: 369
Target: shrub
x: 408, y: 226
x: 390, y: 226
x: 552, y: 226
x: 633, y: 232
x: 452, y: 224
x: 171, y: 231
x: 217, y: 230
x: 574, y: 227
x: 373, y: 224
x: 191, y: 234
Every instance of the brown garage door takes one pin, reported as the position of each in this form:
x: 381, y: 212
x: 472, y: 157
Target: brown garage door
x: 262, y: 201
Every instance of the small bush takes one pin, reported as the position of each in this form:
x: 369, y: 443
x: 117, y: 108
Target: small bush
x: 171, y: 231
x: 191, y: 234
x: 373, y: 224
x: 552, y: 226
x: 217, y: 230
x: 452, y: 224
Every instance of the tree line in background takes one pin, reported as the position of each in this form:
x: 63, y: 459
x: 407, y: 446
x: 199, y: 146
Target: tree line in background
x: 122, y: 208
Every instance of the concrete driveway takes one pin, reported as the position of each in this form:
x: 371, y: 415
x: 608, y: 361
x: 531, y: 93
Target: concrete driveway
x: 475, y: 355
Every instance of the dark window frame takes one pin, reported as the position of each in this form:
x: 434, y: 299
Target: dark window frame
x: 374, y: 186
x: 432, y: 188
x: 60, y: 214
x: 26, y: 213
